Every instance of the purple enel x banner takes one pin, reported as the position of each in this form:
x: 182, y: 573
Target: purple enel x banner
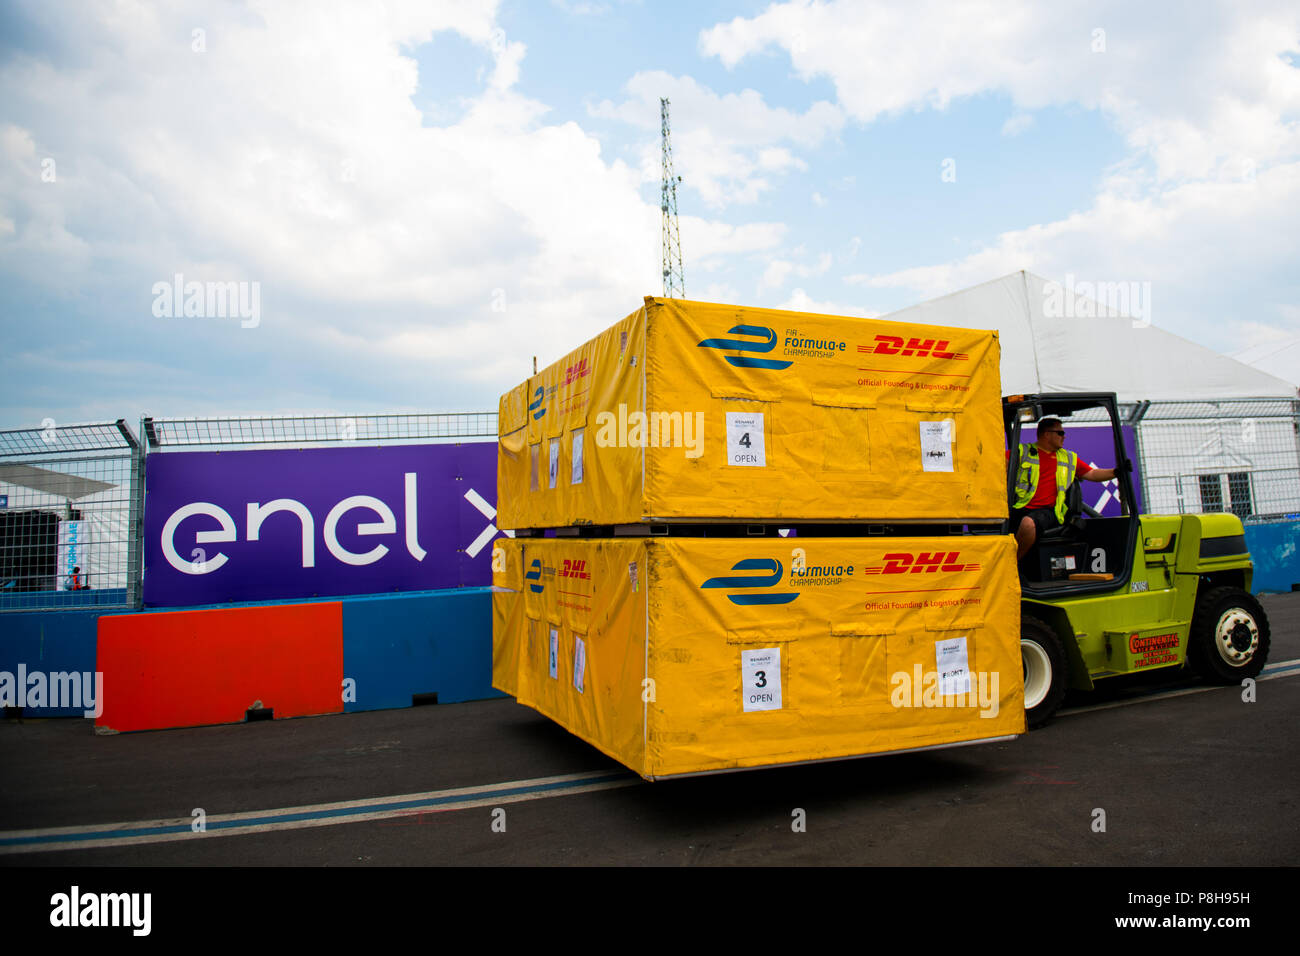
x: 1095, y: 445
x: 300, y: 523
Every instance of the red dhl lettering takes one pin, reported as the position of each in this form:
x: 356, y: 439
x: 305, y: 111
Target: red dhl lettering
x: 896, y: 345
x: 901, y: 562
x: 575, y: 569
x: 574, y: 372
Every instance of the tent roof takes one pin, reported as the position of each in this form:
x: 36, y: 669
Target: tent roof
x: 51, y: 482
x: 1055, y: 339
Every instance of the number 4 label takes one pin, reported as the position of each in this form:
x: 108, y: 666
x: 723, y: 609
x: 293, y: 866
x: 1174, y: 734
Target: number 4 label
x: 745, y: 443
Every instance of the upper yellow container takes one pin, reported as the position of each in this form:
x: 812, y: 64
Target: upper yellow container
x: 694, y: 412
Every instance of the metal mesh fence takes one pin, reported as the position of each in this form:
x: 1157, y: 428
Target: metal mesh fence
x: 164, y: 433
x: 70, y: 518
x: 1241, y: 456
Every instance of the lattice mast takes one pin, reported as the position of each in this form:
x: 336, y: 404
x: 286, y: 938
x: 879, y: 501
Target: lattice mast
x: 674, y: 277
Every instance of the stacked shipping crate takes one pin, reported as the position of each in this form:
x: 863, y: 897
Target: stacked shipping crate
x: 635, y: 608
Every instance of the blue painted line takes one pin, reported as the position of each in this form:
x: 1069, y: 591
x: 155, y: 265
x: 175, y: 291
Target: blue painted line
x: 308, y: 815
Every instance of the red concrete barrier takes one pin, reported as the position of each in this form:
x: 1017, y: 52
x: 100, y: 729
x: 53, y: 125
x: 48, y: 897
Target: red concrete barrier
x: 189, y: 668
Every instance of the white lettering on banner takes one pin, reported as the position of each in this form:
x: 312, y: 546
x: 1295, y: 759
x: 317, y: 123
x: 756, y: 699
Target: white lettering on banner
x: 227, y: 533
x: 257, y: 513
x: 387, y: 524
x: 412, y: 520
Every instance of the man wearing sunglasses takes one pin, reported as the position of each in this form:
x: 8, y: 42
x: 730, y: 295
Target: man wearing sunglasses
x: 1044, y: 472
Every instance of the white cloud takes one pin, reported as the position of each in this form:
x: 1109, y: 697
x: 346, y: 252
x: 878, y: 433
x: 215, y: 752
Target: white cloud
x: 289, y: 152
x: 800, y: 301
x: 779, y: 270
x: 1203, y: 205
x: 723, y: 146
x: 1191, y: 94
x: 1017, y: 124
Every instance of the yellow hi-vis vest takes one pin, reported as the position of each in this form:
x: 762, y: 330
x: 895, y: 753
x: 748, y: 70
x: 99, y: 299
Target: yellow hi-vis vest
x: 1027, y: 477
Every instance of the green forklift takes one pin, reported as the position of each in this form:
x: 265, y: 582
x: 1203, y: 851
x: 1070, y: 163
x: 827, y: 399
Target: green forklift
x: 1126, y: 594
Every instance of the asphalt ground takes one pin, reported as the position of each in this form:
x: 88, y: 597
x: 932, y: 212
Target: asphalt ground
x: 1162, y: 771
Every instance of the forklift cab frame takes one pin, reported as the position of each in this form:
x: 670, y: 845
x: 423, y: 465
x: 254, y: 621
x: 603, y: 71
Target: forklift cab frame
x: 1089, y: 553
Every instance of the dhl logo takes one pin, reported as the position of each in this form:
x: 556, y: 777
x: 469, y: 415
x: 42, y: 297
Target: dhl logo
x: 575, y: 372
x: 575, y: 569
x: 900, y: 562
x: 895, y: 345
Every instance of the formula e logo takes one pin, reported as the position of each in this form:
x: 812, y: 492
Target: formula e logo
x: 894, y: 345
x: 754, y: 581
x: 536, y: 407
x: 902, y: 563
x: 740, y: 345
x: 534, y: 573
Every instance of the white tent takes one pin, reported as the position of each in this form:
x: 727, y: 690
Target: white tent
x: 1082, y: 337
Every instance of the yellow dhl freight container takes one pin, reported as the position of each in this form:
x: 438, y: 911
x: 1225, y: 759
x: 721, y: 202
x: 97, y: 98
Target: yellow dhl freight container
x: 692, y: 655
x: 693, y: 412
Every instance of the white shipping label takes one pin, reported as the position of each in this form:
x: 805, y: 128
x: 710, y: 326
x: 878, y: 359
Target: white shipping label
x: 745, y: 444
x: 555, y: 461
x: 579, y: 664
x: 954, y: 671
x: 936, y: 445
x: 555, y: 654
x: 760, y: 679
x: 576, y: 470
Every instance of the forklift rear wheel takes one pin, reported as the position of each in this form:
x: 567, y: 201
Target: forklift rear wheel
x: 1043, y: 658
x: 1230, y: 636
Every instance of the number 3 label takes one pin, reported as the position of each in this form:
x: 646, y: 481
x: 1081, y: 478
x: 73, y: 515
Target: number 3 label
x: 760, y: 679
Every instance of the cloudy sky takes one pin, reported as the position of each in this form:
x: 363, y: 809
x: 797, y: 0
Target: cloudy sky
x: 416, y: 198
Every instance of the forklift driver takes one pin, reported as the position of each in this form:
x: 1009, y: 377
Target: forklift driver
x: 1044, y: 471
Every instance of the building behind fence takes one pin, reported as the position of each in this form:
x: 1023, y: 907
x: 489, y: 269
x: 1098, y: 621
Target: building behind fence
x: 72, y: 496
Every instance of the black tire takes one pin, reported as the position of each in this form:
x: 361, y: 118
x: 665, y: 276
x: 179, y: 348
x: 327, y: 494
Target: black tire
x: 1230, y: 636
x: 1046, y: 670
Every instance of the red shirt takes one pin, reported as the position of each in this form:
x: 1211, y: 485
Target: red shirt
x: 1045, y: 493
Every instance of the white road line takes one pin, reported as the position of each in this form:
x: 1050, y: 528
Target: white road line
x: 1280, y: 669
x: 312, y: 815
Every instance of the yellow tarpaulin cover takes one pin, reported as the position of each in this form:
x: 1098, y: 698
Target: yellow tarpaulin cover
x: 689, y: 411
x: 689, y: 655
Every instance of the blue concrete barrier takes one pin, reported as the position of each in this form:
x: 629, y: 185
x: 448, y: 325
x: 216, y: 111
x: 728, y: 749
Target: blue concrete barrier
x: 399, y: 646
x: 1275, y: 550
x: 48, y: 642
x: 395, y: 646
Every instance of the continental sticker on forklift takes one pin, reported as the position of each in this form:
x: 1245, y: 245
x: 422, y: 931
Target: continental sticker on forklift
x: 760, y: 678
x: 745, y: 446
x: 1157, y: 649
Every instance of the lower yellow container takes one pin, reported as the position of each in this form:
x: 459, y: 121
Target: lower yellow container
x: 693, y: 655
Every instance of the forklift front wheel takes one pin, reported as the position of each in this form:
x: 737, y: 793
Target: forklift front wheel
x: 1044, y: 663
